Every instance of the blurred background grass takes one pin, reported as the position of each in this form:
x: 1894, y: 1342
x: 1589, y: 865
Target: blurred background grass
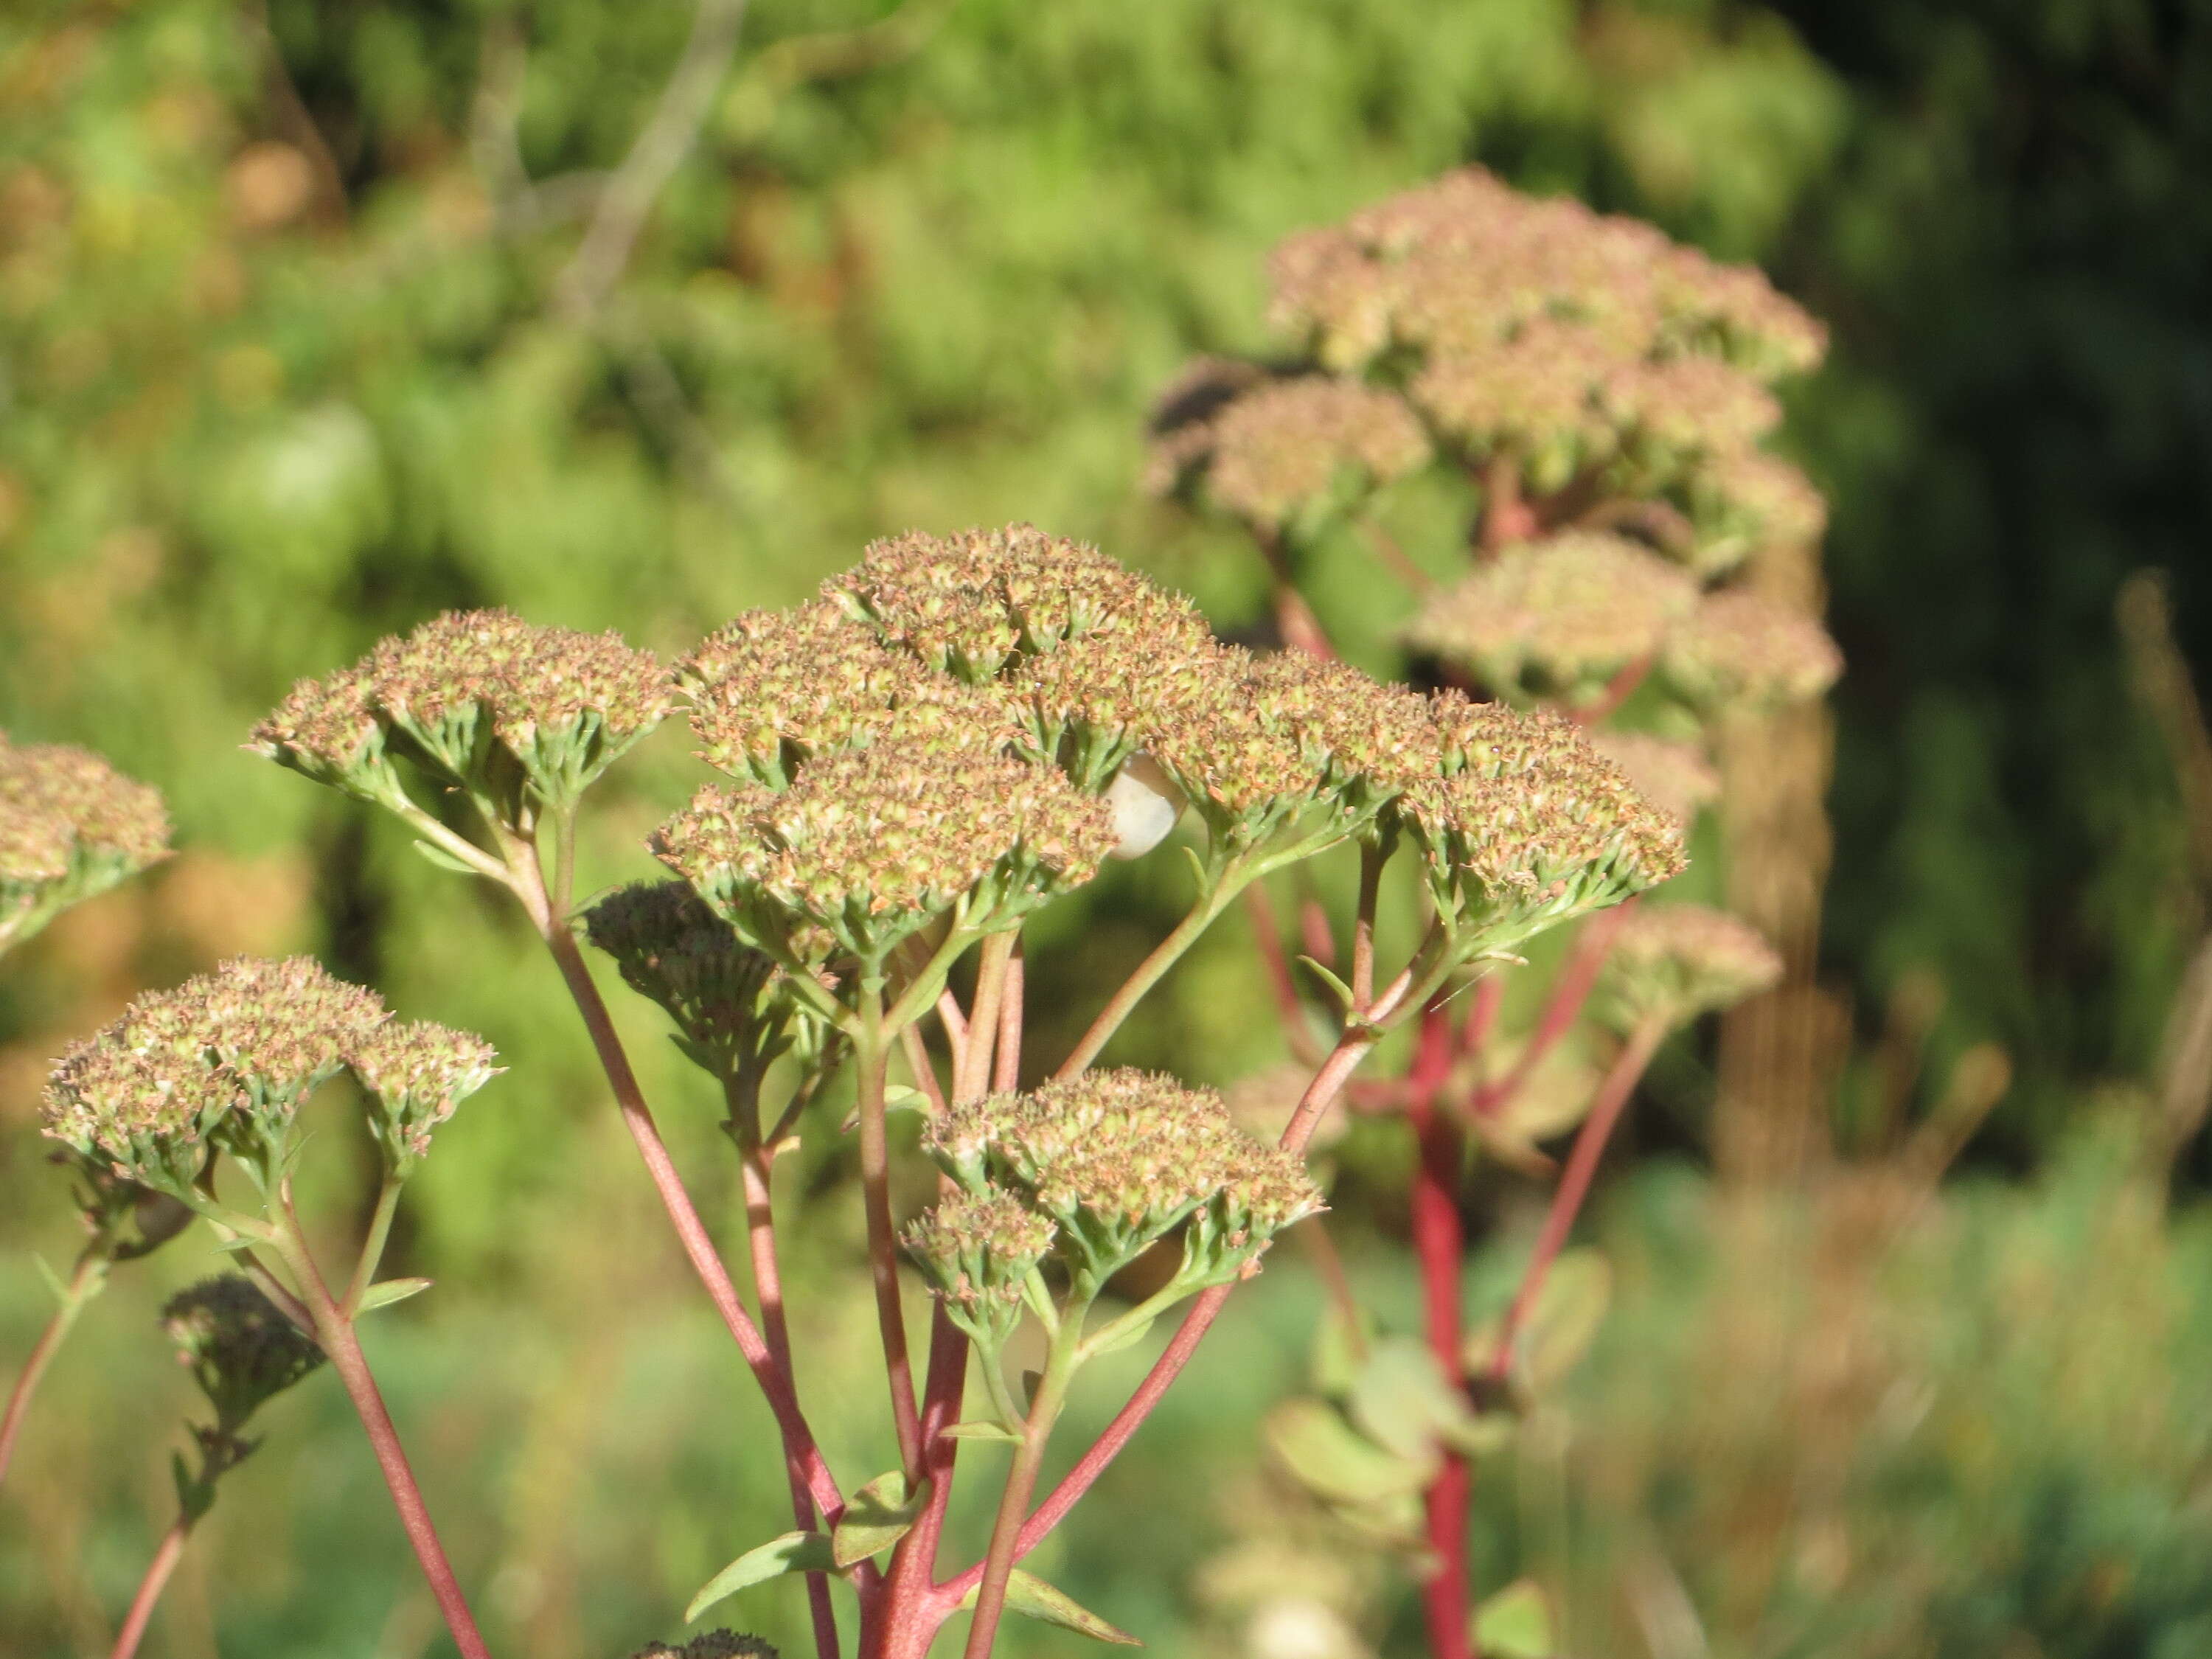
x: 287, y: 366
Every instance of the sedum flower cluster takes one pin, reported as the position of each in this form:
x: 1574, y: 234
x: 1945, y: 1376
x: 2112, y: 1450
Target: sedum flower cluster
x: 241, y: 1349
x: 714, y: 1645
x: 71, y: 826
x: 1094, y: 1170
x: 1672, y: 962
x: 522, y: 718
x: 223, y: 1063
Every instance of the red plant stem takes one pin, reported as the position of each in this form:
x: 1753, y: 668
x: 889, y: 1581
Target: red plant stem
x: 1612, y: 1096
x: 1319, y: 937
x: 83, y: 1284
x: 1482, y: 1005
x: 1439, y: 1241
x: 1561, y: 1009
x: 1328, y: 1264
x: 1505, y: 517
x: 1006, y: 1071
x: 768, y: 1288
x: 972, y: 1072
x: 1616, y: 691
x: 335, y: 1332
x: 798, y: 1446
x: 1350, y: 1050
x: 149, y: 1589
x: 924, y: 1069
x: 871, y: 1056
x: 911, y: 1613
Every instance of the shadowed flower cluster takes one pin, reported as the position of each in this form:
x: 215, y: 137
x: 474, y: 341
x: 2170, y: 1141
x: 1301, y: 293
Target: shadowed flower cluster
x: 223, y: 1063
x: 715, y: 1644
x: 241, y: 1350
x: 70, y: 826
x: 1672, y: 962
x: 522, y: 717
x: 1117, y: 1159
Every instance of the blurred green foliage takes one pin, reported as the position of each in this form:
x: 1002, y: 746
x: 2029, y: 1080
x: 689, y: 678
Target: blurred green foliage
x: 283, y: 366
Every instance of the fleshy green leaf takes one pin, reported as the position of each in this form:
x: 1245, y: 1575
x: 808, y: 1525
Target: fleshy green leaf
x: 1513, y: 1623
x: 390, y: 1291
x: 878, y: 1516
x: 1401, y: 1399
x: 1326, y: 1454
x: 1340, y: 1349
x: 980, y: 1432
x: 1030, y: 1596
x: 795, y: 1551
x: 445, y: 860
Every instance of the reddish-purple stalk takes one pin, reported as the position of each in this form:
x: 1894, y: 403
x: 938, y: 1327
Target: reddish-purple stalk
x: 91, y: 1266
x: 1612, y: 1097
x: 335, y: 1332
x: 1561, y: 1009
x: 150, y: 1587
x: 1439, y: 1243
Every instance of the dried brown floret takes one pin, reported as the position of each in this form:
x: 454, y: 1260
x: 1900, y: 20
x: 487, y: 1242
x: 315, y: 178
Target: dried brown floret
x: 242, y: 1351
x: 1675, y: 962
x: 1558, y: 617
x: 1676, y: 778
x: 978, y: 1249
x: 1743, y: 650
x: 483, y: 699
x: 1118, y: 1158
x: 773, y: 688
x: 415, y: 1074
x: 70, y: 826
x: 873, y: 844
x: 1290, y: 447
x: 224, y: 1059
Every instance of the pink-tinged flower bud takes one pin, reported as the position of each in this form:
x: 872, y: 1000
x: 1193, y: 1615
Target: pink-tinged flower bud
x: 415, y: 1073
x: 978, y: 1249
x: 71, y: 826
x: 1296, y: 448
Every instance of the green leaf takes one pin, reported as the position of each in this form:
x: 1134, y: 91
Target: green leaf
x: 390, y: 1291
x: 1337, y: 986
x: 1030, y: 1596
x: 1328, y: 1457
x: 1132, y: 1332
x: 980, y: 1432
x: 795, y: 1551
x: 1513, y: 1623
x: 1565, y: 1321
x: 53, y: 1279
x: 878, y: 1516
x: 1401, y: 1399
x: 445, y: 860
x: 235, y: 1241
x: 1340, y: 1349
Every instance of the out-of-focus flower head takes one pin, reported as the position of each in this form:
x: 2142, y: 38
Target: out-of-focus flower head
x: 1740, y: 502
x: 1676, y: 778
x: 871, y: 846
x: 715, y: 1644
x: 242, y: 1351
x: 1559, y: 617
x: 70, y: 826
x: 1118, y: 1159
x: 520, y: 716
x: 415, y: 1073
x: 1535, y: 391
x: 1675, y: 962
x: 1739, y: 650
x: 977, y: 1249
x: 1292, y: 449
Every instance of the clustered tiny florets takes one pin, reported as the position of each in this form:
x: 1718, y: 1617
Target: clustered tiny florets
x: 1283, y: 446
x: 715, y: 1644
x: 1675, y: 962
x: 978, y: 1249
x: 241, y: 1349
x: 480, y: 699
x: 70, y: 826
x: 1742, y: 650
x: 1118, y: 1158
x: 223, y: 1062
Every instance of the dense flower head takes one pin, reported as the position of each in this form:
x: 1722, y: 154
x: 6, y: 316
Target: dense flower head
x: 481, y: 699
x: 1745, y: 501
x: 715, y: 1644
x: 1686, y: 407
x: 1675, y: 962
x: 1738, y: 649
x: 977, y: 1249
x: 1534, y: 827
x: 1288, y: 447
x: 1455, y: 263
x: 224, y: 1058
x: 772, y: 689
x: 870, y: 845
x: 1676, y: 778
x: 415, y: 1074
x: 1560, y: 616
x: 1118, y: 1158
x: 1537, y: 391
x: 243, y: 1351
x: 673, y: 949
x: 964, y: 603
x: 70, y: 826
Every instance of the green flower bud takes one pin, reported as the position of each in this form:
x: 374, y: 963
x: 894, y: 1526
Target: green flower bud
x: 415, y: 1073
x: 977, y: 1249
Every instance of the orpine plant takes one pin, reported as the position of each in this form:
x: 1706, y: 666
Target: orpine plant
x: 71, y: 828
x: 955, y: 733
x: 1604, y: 396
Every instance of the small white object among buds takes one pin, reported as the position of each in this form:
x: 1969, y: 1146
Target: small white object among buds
x: 1145, y: 804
